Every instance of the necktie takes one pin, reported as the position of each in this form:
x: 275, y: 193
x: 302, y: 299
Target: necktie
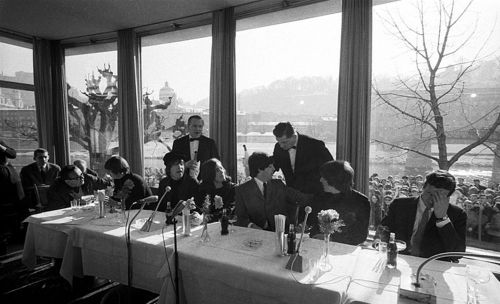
x: 265, y: 190
x: 417, y: 238
x: 293, y: 147
x: 194, y: 139
x: 43, y: 175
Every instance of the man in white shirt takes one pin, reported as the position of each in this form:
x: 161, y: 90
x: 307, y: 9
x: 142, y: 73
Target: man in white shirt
x: 261, y: 198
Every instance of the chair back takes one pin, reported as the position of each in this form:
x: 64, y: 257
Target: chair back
x: 41, y: 196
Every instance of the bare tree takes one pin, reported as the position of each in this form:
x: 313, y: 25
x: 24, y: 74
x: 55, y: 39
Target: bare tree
x: 437, y: 87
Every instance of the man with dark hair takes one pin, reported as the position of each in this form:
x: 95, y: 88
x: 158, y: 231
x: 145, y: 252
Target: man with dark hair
x: 261, y: 198
x: 337, y: 178
x: 195, y: 146
x: 299, y: 157
x: 429, y: 224
x: 182, y: 186
x: 40, y: 172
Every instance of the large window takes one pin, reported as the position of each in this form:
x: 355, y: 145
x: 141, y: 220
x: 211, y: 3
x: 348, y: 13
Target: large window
x: 18, y: 124
x: 91, y: 77
x: 175, y: 85
x: 287, y: 70
x: 436, y: 105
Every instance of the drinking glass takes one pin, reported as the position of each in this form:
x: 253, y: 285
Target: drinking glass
x: 74, y: 204
x: 475, y: 276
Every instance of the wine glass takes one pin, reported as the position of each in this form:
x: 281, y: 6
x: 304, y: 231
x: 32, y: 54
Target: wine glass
x: 232, y: 218
x: 476, y: 276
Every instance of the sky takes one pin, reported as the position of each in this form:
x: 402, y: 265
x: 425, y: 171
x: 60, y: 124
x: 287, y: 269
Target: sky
x: 309, y: 47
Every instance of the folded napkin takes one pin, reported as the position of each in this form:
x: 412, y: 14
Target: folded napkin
x: 279, y: 224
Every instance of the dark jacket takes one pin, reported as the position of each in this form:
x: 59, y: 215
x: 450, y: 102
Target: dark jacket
x: 92, y: 182
x: 353, y: 209
x: 401, y: 218
x: 139, y: 191
x: 206, y: 148
x: 60, y: 195
x: 227, y: 193
x: 252, y: 206
x: 183, y: 189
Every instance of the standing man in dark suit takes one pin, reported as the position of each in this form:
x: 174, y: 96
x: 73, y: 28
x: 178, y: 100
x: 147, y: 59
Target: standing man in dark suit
x: 261, y: 198
x: 429, y: 224
x: 299, y: 157
x: 40, y: 172
x: 196, y: 147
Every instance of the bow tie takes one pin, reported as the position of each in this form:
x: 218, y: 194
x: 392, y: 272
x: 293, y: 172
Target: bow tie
x: 293, y: 147
x: 194, y: 139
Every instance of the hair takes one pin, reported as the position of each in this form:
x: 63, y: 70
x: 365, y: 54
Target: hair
x: 338, y: 174
x: 441, y: 179
x: 172, y: 158
x: 66, y: 170
x: 193, y: 117
x: 207, y: 170
x: 39, y: 150
x: 117, y: 165
x: 80, y: 163
x: 283, y: 128
x: 258, y: 160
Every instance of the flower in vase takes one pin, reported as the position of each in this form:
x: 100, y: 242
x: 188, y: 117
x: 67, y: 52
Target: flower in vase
x: 206, y: 208
x: 329, y: 221
x: 218, y: 202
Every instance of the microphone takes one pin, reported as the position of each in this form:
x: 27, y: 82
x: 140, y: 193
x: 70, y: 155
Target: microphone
x: 178, y: 208
x: 307, y: 210
x: 148, y: 200
x: 297, y: 262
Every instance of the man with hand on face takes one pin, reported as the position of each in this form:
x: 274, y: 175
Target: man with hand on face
x: 66, y: 188
x: 197, y: 147
x: 429, y: 224
x: 261, y: 198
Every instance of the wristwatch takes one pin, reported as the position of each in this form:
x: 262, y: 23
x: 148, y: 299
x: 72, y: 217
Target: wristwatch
x: 440, y: 219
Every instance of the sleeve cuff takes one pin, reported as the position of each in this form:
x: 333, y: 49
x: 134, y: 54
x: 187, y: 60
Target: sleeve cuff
x: 443, y: 223
x: 249, y: 225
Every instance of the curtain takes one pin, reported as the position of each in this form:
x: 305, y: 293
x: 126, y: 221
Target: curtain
x: 129, y: 99
x: 223, y: 88
x: 353, y: 131
x: 50, y: 92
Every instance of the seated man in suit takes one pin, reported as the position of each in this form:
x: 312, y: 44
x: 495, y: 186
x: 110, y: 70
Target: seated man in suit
x: 429, y: 224
x: 261, y: 198
x: 92, y: 181
x: 40, y: 172
x: 195, y: 146
x: 67, y: 187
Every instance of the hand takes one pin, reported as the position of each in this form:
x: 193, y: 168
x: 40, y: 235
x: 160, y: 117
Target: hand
x: 191, y: 165
x: 440, y: 202
x: 196, y: 219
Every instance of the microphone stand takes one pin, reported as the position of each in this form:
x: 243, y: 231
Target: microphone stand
x: 176, y: 261
x: 127, y: 240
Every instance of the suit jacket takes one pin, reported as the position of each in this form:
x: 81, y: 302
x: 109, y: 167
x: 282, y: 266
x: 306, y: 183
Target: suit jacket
x: 60, y: 195
x: 311, y: 154
x: 354, y: 211
x: 252, y: 206
x: 451, y: 237
x: 206, y: 148
x: 30, y: 175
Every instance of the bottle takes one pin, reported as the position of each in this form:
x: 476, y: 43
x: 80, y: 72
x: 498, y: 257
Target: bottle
x: 392, y: 251
x: 224, y: 223
x: 291, y: 239
x: 168, y: 212
x: 186, y: 222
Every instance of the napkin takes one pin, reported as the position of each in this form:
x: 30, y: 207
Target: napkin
x: 279, y: 224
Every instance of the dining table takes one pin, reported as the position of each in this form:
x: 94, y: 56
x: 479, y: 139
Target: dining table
x: 240, y: 267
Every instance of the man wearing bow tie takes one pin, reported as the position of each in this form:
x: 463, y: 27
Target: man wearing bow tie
x: 196, y: 147
x: 299, y: 157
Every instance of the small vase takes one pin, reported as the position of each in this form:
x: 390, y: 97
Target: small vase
x: 204, y: 234
x: 324, y: 262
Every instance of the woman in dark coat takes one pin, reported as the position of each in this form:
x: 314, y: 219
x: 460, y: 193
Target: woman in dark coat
x: 353, y: 207
x: 215, y: 182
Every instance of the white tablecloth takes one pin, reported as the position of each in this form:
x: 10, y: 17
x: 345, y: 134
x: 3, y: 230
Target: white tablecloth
x: 239, y: 268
